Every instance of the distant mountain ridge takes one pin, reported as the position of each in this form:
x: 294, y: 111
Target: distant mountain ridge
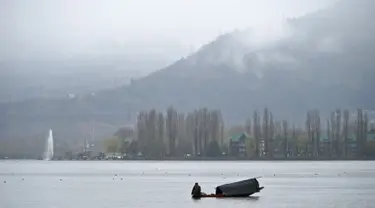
x: 326, y: 61
x: 102, y: 66
x: 329, y: 57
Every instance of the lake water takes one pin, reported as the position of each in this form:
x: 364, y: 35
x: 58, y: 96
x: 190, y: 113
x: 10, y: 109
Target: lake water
x: 79, y: 184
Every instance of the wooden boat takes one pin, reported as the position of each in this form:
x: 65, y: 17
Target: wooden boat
x: 244, y: 188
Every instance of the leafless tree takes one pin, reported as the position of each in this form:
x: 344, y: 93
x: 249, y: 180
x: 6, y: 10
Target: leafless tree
x: 141, y: 130
x: 257, y: 132
x: 329, y: 137
x: 346, y: 131
x: 285, y: 134
x: 271, y: 135
x: 248, y: 126
x: 309, y: 129
x: 338, y: 133
x: 317, y: 133
x: 333, y: 135
x: 172, y: 129
x: 295, y: 141
x: 222, y: 126
x: 266, y: 132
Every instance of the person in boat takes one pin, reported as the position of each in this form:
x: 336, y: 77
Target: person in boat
x: 196, y: 192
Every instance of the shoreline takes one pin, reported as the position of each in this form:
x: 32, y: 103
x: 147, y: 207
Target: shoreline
x: 213, y: 159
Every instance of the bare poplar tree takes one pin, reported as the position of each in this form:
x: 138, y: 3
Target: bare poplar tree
x: 256, y: 131
x: 190, y: 129
x: 294, y: 136
x: 316, y: 132
x: 266, y: 131
x: 338, y: 133
x: 329, y: 137
x: 285, y: 134
x: 271, y: 135
x: 221, y: 130
x: 365, y: 131
x: 197, y: 146
x: 248, y: 126
x: 141, y: 130
x: 205, y: 121
x: 215, y: 125
x: 309, y: 128
x: 346, y: 131
x: 333, y: 134
x: 362, y: 122
x: 172, y: 129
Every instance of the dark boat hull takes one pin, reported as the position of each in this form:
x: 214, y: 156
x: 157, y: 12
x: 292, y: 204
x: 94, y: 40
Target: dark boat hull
x: 239, y: 188
x: 225, y: 196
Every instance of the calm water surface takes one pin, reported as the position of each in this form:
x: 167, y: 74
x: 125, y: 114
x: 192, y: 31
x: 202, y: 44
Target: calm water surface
x: 79, y: 184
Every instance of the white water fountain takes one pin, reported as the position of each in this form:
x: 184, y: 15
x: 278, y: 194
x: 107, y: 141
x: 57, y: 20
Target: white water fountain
x: 48, y: 151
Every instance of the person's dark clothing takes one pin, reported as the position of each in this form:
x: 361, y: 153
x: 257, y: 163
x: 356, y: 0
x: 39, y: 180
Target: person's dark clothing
x: 196, y: 192
x: 218, y: 191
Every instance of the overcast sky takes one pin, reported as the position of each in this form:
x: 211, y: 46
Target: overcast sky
x: 76, y: 24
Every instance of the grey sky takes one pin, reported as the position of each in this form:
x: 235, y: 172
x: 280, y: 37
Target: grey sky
x: 74, y: 25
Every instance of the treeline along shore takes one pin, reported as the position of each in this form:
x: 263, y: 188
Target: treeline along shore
x: 202, y: 135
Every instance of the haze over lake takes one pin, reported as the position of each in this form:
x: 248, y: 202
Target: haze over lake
x: 77, y: 184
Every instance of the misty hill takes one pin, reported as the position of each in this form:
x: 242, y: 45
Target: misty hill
x: 324, y: 60
x: 105, y: 65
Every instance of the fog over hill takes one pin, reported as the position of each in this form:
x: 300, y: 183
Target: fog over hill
x: 323, y: 60
x: 100, y: 45
x: 105, y: 65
